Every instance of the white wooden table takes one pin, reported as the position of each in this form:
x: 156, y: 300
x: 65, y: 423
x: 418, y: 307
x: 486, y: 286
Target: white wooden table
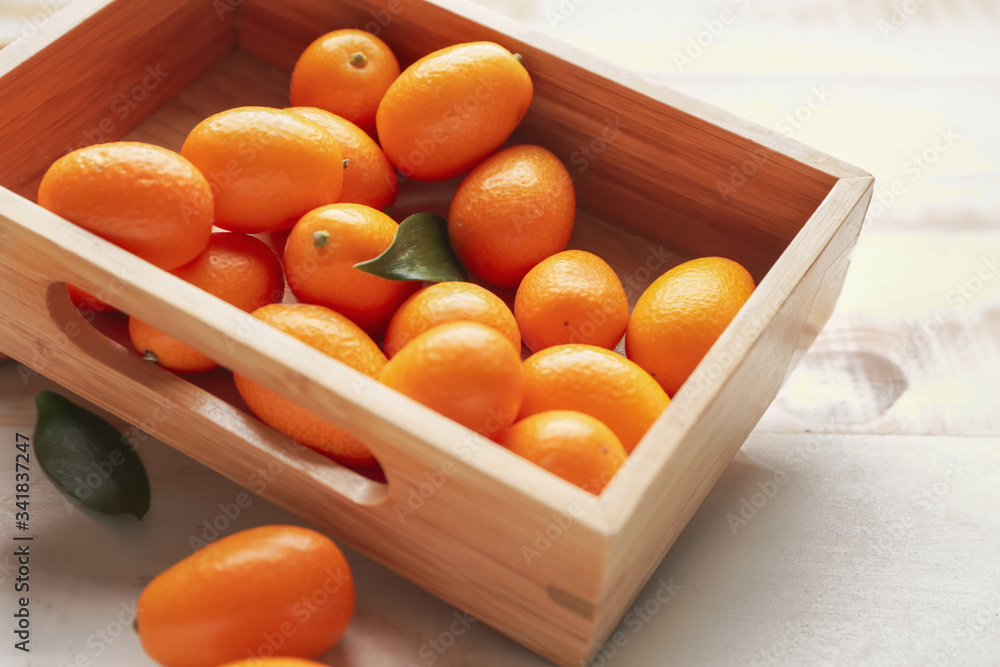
x: 860, y: 525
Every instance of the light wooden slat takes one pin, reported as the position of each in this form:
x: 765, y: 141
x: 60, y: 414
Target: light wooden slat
x: 909, y: 350
x: 709, y: 421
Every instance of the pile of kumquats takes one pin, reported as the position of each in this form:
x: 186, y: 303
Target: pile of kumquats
x: 324, y: 173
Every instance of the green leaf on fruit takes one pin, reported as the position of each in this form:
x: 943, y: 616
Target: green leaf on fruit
x: 88, y: 459
x: 420, y: 251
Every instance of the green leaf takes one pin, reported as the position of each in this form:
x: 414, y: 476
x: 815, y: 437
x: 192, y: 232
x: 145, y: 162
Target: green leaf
x: 420, y: 251
x: 88, y: 459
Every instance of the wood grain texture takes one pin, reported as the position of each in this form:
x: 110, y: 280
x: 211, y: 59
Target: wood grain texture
x: 87, y: 77
x: 720, y: 404
x: 474, y: 538
x: 922, y: 360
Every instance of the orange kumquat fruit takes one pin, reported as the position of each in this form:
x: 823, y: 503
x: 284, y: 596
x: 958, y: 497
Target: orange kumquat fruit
x: 237, y: 268
x: 571, y: 297
x: 572, y: 445
x: 267, y: 167
x: 597, y: 382
x: 449, y: 110
x: 146, y: 199
x: 680, y: 316
x: 513, y: 210
x: 467, y: 371
x: 347, y: 73
x: 369, y: 177
x: 320, y: 255
x: 224, y: 601
x: 449, y: 302
x: 336, y: 336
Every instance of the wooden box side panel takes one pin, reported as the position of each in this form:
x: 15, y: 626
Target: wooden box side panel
x: 684, y: 453
x: 458, y: 509
x: 94, y: 72
x: 672, y: 176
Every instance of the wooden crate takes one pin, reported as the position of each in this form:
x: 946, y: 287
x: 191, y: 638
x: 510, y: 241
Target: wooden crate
x: 660, y: 178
